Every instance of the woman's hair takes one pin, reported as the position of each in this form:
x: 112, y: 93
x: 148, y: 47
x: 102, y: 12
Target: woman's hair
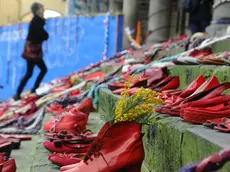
x: 35, y: 8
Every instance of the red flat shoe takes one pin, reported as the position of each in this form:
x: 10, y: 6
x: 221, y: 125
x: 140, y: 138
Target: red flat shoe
x: 65, y: 159
x: 173, y: 84
x: 72, y: 122
x: 64, y: 147
x: 215, y: 122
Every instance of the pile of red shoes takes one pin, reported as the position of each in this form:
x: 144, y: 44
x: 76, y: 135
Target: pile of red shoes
x: 201, y: 101
x: 153, y: 78
x: 74, y: 148
x: 67, y: 134
x: 111, y: 151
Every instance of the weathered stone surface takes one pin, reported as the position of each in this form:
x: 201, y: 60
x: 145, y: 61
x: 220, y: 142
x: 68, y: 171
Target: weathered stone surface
x: 171, y: 143
x: 188, y: 73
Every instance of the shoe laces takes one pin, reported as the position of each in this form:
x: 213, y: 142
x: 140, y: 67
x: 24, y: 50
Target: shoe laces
x: 56, y: 121
x: 94, y: 150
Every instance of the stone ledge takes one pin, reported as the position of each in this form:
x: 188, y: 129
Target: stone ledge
x: 188, y: 73
x: 171, y: 143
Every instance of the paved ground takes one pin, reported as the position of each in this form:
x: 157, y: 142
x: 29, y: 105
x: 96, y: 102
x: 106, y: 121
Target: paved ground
x: 32, y: 157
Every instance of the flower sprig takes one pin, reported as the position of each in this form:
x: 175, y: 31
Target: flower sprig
x: 140, y: 104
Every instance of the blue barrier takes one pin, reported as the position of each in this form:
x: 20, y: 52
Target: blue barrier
x: 74, y: 43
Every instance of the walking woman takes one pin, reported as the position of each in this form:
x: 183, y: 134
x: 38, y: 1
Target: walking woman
x: 33, y: 53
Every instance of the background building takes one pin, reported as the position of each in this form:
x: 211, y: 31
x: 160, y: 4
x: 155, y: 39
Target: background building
x: 13, y: 11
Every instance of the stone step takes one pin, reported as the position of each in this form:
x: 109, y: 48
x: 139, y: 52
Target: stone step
x: 171, y: 143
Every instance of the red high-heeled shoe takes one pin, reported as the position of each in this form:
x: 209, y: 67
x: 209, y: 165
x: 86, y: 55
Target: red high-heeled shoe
x: 112, y: 151
x: 86, y: 106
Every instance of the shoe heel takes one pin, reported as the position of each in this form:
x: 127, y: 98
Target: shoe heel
x: 134, y: 168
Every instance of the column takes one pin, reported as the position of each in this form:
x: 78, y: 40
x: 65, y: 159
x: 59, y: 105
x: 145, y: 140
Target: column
x: 130, y: 18
x: 159, y: 21
x: 220, y: 11
x: 114, y: 6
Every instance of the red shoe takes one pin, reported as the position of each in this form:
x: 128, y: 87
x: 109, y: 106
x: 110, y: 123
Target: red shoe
x: 224, y: 126
x: 200, y: 111
x: 20, y: 137
x: 193, y: 86
x: 138, y: 81
x: 85, y: 136
x: 214, y: 162
x: 74, y: 93
x: 72, y: 122
x: 86, y: 106
x: 112, y: 151
x: 173, y: 84
x: 162, y: 82
x: 154, y: 74
x: 61, y: 88
x: 215, y: 122
x: 65, y: 159
x: 5, y: 147
x: 55, y: 108
x: 64, y: 147
x: 217, y: 91
x: 130, y: 92
x: 8, y: 166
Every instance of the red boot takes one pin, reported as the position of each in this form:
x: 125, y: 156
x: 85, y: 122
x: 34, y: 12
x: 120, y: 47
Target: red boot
x: 112, y: 151
x: 71, y: 122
